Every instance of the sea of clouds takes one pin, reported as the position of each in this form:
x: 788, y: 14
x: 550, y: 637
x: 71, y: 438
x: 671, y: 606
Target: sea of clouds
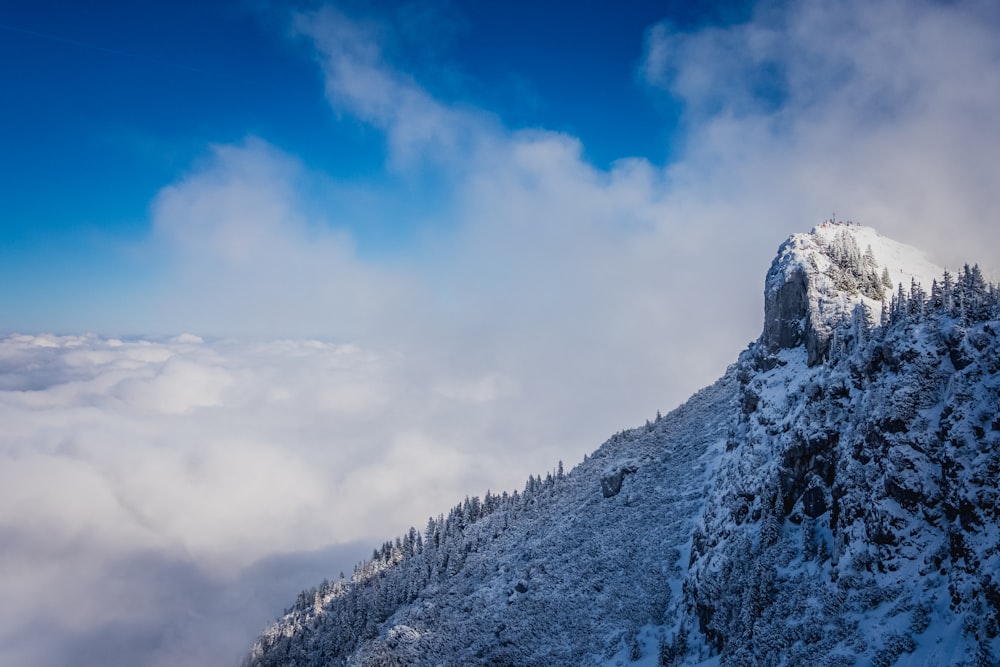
x: 164, y: 499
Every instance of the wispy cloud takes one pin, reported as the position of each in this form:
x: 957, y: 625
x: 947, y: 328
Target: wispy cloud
x: 881, y: 111
x: 360, y: 82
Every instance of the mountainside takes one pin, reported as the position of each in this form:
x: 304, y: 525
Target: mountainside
x: 831, y: 500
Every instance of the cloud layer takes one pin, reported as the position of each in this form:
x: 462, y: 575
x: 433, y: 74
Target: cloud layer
x: 147, y: 481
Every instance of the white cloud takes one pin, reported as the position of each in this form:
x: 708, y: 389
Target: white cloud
x: 253, y: 255
x: 208, y: 458
x: 360, y: 82
x: 882, y: 111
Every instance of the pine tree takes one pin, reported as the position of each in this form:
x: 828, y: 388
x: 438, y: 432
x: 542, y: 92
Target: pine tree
x: 974, y: 294
x: 948, y: 294
x: 935, y: 300
x: 915, y: 304
x: 886, y: 280
x: 861, y: 324
x: 870, y: 281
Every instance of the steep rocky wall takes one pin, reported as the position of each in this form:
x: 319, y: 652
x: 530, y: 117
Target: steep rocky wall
x: 786, y: 310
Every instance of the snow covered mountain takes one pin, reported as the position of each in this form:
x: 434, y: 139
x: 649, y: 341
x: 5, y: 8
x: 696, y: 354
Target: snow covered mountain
x: 831, y: 500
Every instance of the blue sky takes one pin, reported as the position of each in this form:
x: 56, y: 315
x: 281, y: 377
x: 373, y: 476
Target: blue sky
x: 111, y: 101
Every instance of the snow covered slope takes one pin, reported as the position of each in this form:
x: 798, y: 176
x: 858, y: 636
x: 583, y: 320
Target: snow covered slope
x: 832, y: 500
x: 555, y: 575
x: 902, y: 262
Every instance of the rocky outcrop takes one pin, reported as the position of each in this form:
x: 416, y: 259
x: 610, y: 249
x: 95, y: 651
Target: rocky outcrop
x: 818, y: 279
x: 786, y: 308
x: 611, y: 484
x: 799, y: 301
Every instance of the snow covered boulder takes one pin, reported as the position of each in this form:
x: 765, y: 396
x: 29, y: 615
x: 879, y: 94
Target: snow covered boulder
x: 611, y: 483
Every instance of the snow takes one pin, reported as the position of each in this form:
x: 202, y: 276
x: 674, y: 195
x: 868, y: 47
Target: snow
x: 904, y: 262
x: 794, y: 513
x: 809, y: 253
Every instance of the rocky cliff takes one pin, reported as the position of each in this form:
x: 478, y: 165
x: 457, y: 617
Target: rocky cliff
x: 818, y: 279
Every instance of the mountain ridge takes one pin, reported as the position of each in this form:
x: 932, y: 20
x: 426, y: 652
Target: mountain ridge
x: 775, y: 517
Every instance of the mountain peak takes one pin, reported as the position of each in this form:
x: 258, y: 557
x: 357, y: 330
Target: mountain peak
x: 840, y: 513
x: 818, y: 279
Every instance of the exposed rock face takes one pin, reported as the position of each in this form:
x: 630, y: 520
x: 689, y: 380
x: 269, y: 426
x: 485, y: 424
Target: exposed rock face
x: 814, y: 502
x: 817, y: 280
x: 786, y: 310
x: 800, y: 303
x: 611, y: 484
